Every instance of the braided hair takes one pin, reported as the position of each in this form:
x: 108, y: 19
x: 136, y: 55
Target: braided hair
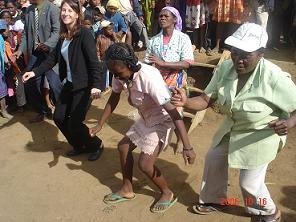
x: 122, y: 52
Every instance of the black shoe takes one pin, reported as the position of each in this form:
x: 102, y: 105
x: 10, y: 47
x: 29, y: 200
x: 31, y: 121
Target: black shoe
x: 37, y: 119
x: 96, y: 155
x: 74, y: 153
x: 49, y: 115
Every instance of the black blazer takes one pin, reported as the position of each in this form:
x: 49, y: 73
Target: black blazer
x: 85, y: 68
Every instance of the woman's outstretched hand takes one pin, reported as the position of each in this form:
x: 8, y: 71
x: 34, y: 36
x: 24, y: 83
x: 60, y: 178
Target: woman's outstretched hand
x: 189, y: 156
x: 281, y: 126
x: 27, y: 76
x: 179, y: 98
x: 94, y: 130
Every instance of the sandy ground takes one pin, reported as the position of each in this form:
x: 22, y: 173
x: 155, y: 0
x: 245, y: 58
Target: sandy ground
x: 38, y: 183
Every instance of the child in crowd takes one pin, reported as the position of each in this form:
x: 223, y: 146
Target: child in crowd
x: 3, y: 86
x: 87, y: 23
x: 104, y: 40
x: 2, y: 5
x: 116, y: 18
x: 13, y: 76
x: 14, y: 66
x: 11, y: 5
x: 98, y: 17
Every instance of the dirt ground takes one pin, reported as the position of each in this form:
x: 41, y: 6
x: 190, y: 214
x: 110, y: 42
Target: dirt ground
x: 39, y: 183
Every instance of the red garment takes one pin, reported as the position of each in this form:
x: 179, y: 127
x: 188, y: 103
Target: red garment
x: 193, y: 2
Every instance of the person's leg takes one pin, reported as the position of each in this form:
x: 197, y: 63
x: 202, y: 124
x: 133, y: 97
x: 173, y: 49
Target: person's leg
x: 149, y: 15
x: 202, y: 38
x: 144, y: 37
x: 219, y: 34
x: 61, y: 113
x: 261, y: 16
x: 47, y: 98
x: 78, y: 131
x: 255, y: 193
x: 4, y: 112
x: 128, y: 39
x: 54, y: 83
x: 139, y: 28
x: 276, y: 30
x: 125, y: 149
x: 46, y: 93
x: 215, y: 174
x: 35, y: 97
x: 20, y: 91
x: 146, y: 165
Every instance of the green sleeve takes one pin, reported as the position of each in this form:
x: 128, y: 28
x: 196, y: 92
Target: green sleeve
x: 284, y: 93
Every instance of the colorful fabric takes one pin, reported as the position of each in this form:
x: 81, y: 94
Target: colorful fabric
x: 232, y: 11
x: 269, y: 94
x: 195, y: 14
x: 149, y: 14
x: 178, y: 49
x: 3, y: 86
x: 2, y: 52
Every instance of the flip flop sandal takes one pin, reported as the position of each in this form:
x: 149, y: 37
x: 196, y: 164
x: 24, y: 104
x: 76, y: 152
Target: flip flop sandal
x: 114, y: 198
x: 271, y: 220
x: 167, y: 205
x: 204, y: 209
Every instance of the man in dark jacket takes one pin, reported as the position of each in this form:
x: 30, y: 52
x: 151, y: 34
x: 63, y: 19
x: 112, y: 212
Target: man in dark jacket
x: 40, y: 36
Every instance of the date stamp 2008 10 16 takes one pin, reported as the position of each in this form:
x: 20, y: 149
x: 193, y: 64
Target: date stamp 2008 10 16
x: 249, y: 201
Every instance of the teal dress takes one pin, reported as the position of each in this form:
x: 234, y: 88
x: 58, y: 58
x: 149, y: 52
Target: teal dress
x: 3, y: 86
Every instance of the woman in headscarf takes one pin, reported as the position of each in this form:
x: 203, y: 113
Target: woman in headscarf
x: 171, y: 50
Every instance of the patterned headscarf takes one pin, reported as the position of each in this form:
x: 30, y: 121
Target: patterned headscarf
x: 175, y: 12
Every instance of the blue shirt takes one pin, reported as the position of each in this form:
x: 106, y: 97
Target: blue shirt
x: 118, y: 22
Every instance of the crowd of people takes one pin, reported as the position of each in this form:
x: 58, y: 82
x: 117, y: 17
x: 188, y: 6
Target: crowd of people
x: 59, y: 56
x: 134, y: 22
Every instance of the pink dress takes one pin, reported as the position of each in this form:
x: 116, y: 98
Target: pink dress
x: 147, y: 92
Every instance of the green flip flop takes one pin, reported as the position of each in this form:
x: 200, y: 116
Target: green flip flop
x: 167, y: 205
x: 114, y: 198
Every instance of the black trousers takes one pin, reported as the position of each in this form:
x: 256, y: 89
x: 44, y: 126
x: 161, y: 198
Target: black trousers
x: 70, y: 112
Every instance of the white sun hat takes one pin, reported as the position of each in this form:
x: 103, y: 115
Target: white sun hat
x: 105, y: 23
x: 249, y: 37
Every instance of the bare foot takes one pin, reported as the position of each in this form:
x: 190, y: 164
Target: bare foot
x: 166, y: 196
x: 122, y: 193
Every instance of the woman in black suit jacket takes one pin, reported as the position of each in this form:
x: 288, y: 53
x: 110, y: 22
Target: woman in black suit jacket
x: 81, y: 74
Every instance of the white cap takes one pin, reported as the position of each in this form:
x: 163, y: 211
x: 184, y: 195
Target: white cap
x: 101, y: 9
x: 105, y: 23
x: 18, y: 26
x: 249, y: 37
